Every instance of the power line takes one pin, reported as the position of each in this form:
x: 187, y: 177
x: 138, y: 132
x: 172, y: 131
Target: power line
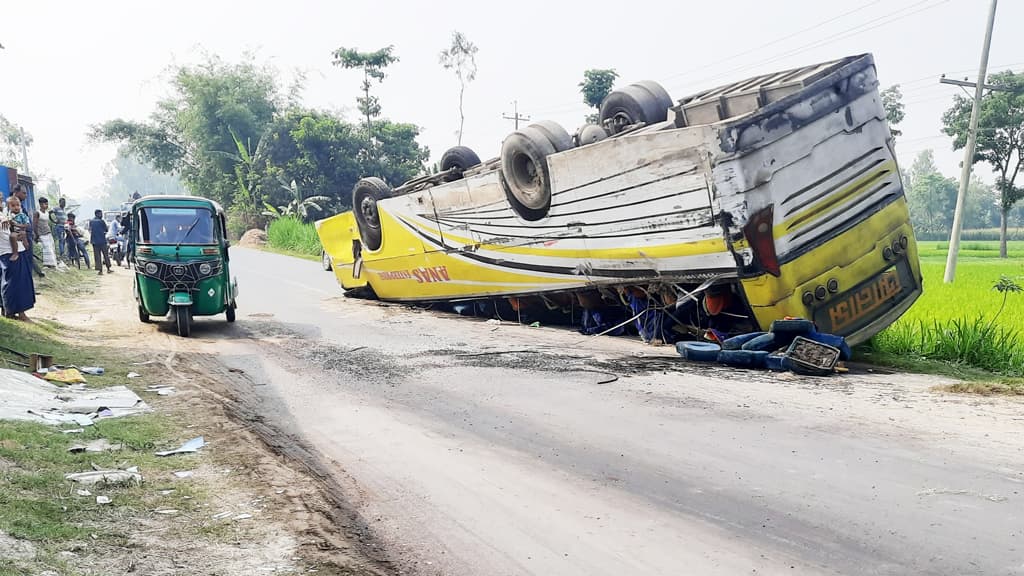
x: 884, y: 20
x: 849, y: 32
x: 516, y: 116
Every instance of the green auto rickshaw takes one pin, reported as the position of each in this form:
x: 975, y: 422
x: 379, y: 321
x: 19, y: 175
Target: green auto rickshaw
x: 179, y: 247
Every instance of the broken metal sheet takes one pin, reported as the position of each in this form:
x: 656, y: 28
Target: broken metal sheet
x: 192, y: 445
x: 101, y: 445
x: 105, y: 477
x: 25, y: 397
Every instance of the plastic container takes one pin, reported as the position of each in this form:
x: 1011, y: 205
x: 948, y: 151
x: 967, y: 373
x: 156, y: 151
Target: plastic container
x: 805, y: 356
x: 699, y: 351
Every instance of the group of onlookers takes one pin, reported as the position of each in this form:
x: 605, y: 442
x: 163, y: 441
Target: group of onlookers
x: 59, y: 238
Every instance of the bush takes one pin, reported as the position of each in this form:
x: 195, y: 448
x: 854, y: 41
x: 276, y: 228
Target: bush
x: 292, y: 235
x: 978, y: 234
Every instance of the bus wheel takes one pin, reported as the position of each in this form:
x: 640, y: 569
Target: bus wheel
x: 524, y: 172
x: 557, y: 135
x: 461, y: 158
x: 365, y: 196
x: 645, y: 102
x: 589, y: 134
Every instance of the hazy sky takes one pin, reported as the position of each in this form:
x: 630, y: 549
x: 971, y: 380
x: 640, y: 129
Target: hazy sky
x: 71, y: 64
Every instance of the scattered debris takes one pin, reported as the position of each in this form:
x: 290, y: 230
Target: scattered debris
x: 242, y: 517
x: 167, y: 492
x: 25, y: 397
x: 134, y: 375
x: 66, y: 376
x: 101, y: 445
x: 534, y: 324
x: 130, y: 476
x: 161, y: 389
x: 192, y: 445
x: 221, y: 515
x: 184, y: 474
x: 83, y: 492
x: 166, y: 511
x: 92, y: 370
x: 102, y: 500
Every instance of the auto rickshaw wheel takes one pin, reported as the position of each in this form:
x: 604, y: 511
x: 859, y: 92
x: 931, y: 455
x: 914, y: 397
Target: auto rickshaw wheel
x: 183, y: 318
x: 143, y: 317
x: 230, y: 312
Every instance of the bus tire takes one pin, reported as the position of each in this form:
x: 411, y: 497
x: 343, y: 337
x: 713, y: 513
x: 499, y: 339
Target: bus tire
x: 645, y: 102
x: 557, y: 135
x: 737, y: 342
x: 763, y: 343
x: 525, y: 176
x: 365, y: 195
x: 743, y: 358
x: 589, y: 134
x: 461, y: 158
x: 794, y: 327
x: 699, y: 351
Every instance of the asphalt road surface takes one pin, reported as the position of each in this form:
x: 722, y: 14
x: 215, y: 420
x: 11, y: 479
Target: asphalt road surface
x: 479, y: 448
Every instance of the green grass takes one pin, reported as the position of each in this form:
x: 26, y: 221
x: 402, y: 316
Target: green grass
x: 36, y: 502
x: 293, y: 236
x: 950, y: 329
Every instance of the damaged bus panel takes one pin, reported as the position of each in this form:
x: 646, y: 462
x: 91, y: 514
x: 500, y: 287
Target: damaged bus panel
x: 777, y: 196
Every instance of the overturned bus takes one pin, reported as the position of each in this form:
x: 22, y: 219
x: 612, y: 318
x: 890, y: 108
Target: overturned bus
x: 778, y: 196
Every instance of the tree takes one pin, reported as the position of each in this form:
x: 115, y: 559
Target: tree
x: 460, y: 57
x: 892, y: 102
x: 12, y: 137
x: 125, y: 175
x: 317, y: 150
x: 597, y: 84
x: 372, y: 64
x: 401, y: 157
x: 192, y: 132
x: 1000, y: 138
x: 931, y: 197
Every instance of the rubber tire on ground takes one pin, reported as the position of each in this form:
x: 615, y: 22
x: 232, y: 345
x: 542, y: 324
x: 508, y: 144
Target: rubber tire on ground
x: 230, y: 311
x: 737, y: 342
x: 845, y: 352
x: 143, y: 317
x: 365, y: 195
x: 645, y: 102
x: 589, y: 134
x: 764, y: 342
x: 743, y: 358
x: 699, y: 351
x: 460, y: 157
x: 325, y: 261
x: 775, y: 362
x: 557, y: 135
x: 183, y: 319
x: 362, y: 293
x: 524, y: 172
x: 795, y: 327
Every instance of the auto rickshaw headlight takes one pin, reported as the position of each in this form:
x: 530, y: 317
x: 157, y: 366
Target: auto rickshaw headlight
x: 205, y: 268
x: 151, y: 268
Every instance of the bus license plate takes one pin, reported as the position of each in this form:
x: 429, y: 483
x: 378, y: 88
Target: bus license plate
x: 858, y: 307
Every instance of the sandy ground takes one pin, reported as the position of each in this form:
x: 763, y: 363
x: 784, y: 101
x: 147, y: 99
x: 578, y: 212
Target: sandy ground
x: 432, y: 444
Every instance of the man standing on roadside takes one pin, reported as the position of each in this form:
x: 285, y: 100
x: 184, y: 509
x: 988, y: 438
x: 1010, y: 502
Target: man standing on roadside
x: 98, y: 239
x: 59, y: 217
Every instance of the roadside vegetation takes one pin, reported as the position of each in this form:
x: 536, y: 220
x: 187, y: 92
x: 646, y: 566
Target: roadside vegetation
x: 290, y: 235
x: 971, y: 329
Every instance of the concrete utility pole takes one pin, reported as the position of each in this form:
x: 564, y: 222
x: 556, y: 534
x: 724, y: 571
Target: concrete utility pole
x: 515, y: 116
x: 972, y: 139
x: 24, y: 154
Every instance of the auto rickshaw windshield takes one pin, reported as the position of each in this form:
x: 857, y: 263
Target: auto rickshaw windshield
x: 175, y: 226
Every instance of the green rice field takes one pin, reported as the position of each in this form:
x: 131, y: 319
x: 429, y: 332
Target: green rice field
x: 958, y: 323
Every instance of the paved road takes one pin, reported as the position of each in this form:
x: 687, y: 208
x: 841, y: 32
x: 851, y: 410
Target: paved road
x: 476, y: 448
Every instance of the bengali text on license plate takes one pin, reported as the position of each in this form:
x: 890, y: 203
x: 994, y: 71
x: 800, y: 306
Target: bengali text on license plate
x: 862, y: 302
